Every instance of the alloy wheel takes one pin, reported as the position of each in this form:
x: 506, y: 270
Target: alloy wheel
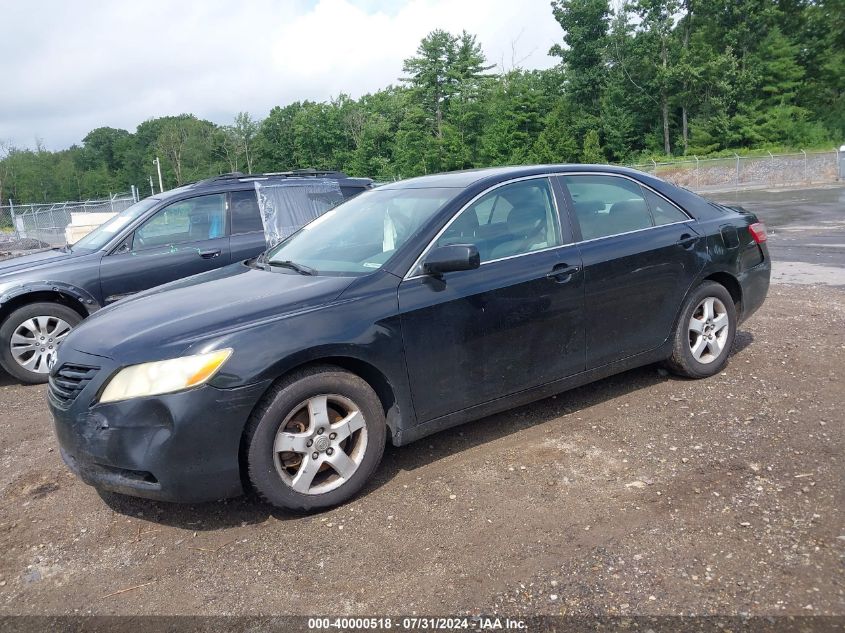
x: 320, y: 444
x: 35, y: 342
x: 709, y: 327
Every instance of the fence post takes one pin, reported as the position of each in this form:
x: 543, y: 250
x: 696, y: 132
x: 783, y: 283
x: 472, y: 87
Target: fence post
x: 52, y: 224
x: 697, y: 173
x: 737, y: 171
x: 15, y: 223
x: 37, y: 224
x: 655, y: 167
x: 805, y: 165
x: 772, y: 168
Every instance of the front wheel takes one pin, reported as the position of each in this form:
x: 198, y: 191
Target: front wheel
x: 704, y: 333
x: 315, y: 439
x: 30, y: 338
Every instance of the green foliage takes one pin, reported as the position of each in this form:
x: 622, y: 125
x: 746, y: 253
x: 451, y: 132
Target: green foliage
x: 592, y: 152
x: 649, y: 78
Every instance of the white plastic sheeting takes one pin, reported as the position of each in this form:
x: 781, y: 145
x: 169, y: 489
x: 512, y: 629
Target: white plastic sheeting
x: 286, y: 207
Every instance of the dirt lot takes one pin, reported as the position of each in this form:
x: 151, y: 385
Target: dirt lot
x: 639, y: 494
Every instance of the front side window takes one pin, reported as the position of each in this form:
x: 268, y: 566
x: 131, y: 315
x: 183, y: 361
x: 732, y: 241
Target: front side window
x: 607, y: 205
x: 107, y: 231
x: 361, y: 234
x: 192, y: 220
x: 510, y: 220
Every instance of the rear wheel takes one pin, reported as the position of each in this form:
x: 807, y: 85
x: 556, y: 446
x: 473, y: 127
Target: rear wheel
x: 315, y: 440
x: 704, y: 333
x: 30, y: 338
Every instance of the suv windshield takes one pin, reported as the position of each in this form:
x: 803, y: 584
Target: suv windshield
x: 101, y: 236
x: 359, y: 236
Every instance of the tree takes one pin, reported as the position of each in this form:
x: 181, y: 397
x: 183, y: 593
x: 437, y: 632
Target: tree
x: 585, y: 26
x: 244, y: 131
x: 432, y: 76
x: 592, y: 152
x: 646, y: 79
x: 105, y: 145
x: 657, y: 21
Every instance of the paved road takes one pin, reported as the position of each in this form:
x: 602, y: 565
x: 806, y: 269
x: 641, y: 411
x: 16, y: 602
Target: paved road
x: 806, y: 231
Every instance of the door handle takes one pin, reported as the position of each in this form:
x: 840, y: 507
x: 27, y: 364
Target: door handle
x: 210, y: 254
x: 687, y: 241
x: 562, y: 273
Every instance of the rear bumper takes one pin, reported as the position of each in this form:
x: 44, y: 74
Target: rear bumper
x: 176, y: 447
x: 755, y: 286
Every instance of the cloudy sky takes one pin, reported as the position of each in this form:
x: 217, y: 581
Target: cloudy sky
x: 68, y: 67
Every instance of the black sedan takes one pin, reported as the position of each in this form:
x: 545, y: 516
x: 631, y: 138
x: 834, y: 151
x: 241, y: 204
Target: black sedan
x: 409, y: 309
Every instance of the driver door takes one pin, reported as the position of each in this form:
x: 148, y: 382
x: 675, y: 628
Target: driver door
x: 514, y: 323
x: 182, y: 239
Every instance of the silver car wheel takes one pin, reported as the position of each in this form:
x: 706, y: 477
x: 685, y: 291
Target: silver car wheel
x: 320, y: 444
x: 35, y: 342
x: 709, y: 327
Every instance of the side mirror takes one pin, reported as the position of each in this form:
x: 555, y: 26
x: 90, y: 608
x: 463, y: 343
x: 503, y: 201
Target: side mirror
x: 446, y: 259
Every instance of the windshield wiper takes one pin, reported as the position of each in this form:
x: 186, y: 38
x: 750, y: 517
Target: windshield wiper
x: 300, y: 268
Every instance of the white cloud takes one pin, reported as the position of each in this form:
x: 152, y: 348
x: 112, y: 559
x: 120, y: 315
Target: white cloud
x: 68, y: 67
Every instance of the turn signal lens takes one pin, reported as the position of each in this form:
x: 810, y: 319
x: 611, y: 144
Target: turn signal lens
x: 758, y: 232
x: 164, y: 376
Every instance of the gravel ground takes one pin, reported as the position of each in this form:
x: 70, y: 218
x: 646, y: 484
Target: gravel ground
x: 639, y: 494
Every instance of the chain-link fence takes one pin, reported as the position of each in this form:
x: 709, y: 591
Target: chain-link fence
x: 32, y: 226
x: 746, y: 172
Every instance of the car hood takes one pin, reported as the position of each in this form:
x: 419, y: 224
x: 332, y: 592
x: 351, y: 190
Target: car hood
x: 154, y: 323
x: 34, y: 261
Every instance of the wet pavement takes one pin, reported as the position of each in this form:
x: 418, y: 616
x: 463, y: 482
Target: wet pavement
x: 806, y: 231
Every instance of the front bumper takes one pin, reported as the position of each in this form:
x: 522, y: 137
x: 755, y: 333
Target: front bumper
x: 175, y: 447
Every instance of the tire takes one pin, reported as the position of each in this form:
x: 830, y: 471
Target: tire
x: 701, y: 354
x: 291, y: 415
x: 29, y: 363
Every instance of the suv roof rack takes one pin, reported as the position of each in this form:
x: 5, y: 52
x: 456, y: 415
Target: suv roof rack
x: 295, y: 173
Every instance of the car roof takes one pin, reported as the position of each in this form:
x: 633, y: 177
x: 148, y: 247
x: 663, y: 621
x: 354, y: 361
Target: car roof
x: 491, y: 175
x: 237, y: 180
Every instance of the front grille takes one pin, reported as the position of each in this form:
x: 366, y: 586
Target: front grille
x: 69, y: 381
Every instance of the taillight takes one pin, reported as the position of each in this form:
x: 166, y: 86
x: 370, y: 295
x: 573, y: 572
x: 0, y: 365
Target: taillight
x: 758, y: 232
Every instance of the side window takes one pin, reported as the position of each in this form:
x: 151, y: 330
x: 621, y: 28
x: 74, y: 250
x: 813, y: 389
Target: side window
x: 663, y: 211
x: 607, y: 205
x: 192, y: 220
x: 246, y: 217
x: 510, y: 220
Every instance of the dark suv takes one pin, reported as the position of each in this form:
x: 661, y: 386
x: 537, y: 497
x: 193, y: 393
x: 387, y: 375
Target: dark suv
x: 178, y: 233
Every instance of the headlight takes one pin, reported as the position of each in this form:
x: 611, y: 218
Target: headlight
x: 164, y: 376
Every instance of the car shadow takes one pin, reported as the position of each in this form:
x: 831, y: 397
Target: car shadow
x: 250, y: 509
x: 7, y: 380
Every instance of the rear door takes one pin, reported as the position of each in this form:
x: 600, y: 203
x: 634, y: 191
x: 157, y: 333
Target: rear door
x: 182, y: 239
x: 640, y: 254
x: 247, y: 238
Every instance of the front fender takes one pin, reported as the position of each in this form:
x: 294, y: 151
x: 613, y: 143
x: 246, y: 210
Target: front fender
x: 83, y: 297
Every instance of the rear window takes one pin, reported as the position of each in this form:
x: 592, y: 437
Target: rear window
x: 246, y: 216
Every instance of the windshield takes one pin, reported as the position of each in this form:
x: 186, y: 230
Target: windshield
x: 101, y: 236
x: 360, y: 235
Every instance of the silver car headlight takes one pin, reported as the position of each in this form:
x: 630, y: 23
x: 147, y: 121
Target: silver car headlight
x: 164, y: 376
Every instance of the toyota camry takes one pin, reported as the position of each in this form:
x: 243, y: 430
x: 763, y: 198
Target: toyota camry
x: 413, y: 307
